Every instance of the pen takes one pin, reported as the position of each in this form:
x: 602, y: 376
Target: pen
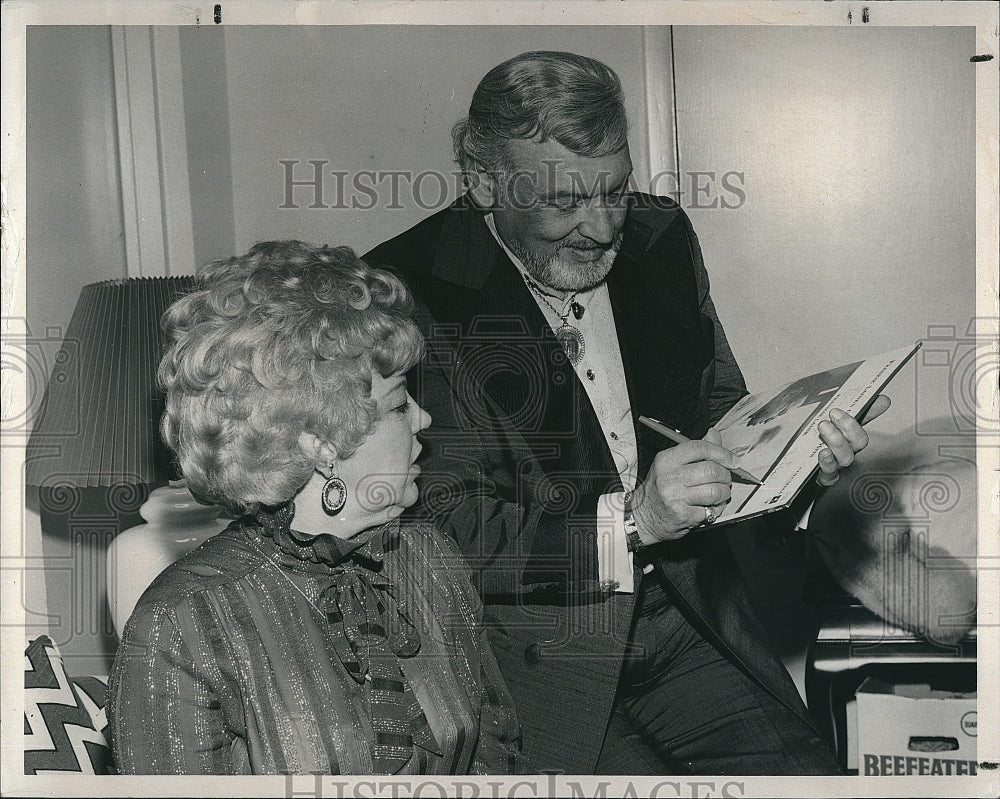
x: 679, y: 438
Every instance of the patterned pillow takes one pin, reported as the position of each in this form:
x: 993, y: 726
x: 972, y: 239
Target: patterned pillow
x: 64, y: 719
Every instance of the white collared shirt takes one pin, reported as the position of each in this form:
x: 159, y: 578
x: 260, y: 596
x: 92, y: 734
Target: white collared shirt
x: 603, y: 377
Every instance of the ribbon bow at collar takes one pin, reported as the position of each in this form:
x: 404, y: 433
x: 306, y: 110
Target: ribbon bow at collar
x: 372, y: 632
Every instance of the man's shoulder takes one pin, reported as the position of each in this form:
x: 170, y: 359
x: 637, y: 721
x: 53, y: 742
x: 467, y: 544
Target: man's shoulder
x: 654, y: 223
x: 654, y: 211
x: 415, y: 249
x: 450, y: 251
x: 653, y: 203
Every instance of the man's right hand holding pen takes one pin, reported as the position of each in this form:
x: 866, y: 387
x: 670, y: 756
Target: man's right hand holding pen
x: 687, y: 485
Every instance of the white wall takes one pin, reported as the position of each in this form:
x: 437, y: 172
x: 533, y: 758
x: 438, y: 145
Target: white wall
x: 857, y: 234
x: 209, y: 149
x: 74, y: 223
x: 377, y: 98
x: 858, y: 230
x: 73, y: 227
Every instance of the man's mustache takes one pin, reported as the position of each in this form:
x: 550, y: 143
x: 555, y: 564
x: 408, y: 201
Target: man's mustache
x: 584, y: 244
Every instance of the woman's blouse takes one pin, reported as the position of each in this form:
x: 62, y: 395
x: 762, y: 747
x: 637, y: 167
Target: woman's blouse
x: 264, y: 651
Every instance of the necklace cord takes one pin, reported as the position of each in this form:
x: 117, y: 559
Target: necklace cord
x: 570, y: 338
x: 568, y: 303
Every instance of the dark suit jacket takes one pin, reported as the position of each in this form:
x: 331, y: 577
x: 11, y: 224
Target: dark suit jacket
x: 516, y: 460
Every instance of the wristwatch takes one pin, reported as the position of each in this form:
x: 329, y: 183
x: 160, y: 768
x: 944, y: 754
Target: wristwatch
x: 632, y: 539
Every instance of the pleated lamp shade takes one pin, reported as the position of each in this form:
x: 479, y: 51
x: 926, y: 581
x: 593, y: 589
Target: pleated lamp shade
x: 98, y: 424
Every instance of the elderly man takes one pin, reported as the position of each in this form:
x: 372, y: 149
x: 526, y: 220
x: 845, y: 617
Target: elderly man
x: 559, y: 306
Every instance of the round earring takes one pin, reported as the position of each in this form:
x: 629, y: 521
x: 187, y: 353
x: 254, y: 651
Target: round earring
x: 334, y: 494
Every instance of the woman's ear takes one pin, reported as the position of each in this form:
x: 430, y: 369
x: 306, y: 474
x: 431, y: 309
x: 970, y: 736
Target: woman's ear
x: 317, y: 449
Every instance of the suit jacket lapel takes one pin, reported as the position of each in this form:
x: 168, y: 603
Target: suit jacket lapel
x: 661, y: 343
x: 517, y: 355
x: 662, y: 340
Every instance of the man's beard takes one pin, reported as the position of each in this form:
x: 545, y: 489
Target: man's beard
x: 555, y: 273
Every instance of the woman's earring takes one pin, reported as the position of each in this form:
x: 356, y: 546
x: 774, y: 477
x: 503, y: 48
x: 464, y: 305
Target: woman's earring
x: 334, y: 494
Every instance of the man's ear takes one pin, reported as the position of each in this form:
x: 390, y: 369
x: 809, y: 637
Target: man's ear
x: 317, y: 449
x: 483, y: 187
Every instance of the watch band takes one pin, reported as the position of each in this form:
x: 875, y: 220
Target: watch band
x: 632, y: 539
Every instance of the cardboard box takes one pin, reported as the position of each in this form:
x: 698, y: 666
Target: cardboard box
x: 851, y: 713
x: 913, y: 729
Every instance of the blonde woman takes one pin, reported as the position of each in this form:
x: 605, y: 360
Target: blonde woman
x: 318, y: 633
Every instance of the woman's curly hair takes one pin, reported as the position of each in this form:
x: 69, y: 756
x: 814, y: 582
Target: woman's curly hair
x: 280, y: 341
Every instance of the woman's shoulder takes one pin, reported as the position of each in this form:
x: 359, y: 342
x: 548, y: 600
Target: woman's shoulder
x: 422, y: 538
x: 222, y: 560
x: 432, y: 562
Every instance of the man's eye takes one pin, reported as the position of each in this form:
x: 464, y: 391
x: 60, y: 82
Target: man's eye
x: 404, y: 408
x: 565, y: 206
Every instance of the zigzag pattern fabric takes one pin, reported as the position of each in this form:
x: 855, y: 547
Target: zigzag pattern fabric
x: 64, y: 719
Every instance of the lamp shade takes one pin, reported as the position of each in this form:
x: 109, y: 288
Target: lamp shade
x: 98, y: 424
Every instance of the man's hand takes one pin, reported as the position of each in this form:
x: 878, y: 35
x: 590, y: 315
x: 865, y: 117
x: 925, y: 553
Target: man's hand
x: 844, y: 438
x: 682, y: 483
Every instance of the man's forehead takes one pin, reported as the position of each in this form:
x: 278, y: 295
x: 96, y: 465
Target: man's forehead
x: 552, y: 160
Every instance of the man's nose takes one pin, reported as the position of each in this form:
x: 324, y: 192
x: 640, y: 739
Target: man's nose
x: 600, y: 223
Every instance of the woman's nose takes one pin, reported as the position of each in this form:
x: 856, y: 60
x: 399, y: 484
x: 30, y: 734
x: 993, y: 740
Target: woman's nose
x: 421, y: 419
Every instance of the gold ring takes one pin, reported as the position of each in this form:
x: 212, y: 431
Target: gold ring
x: 710, y: 515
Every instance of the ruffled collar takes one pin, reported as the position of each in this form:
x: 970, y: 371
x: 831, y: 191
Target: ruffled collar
x: 320, y: 553
x: 372, y: 627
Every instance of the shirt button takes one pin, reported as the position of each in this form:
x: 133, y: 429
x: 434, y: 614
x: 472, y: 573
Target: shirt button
x: 533, y: 653
x: 590, y: 374
x: 614, y: 436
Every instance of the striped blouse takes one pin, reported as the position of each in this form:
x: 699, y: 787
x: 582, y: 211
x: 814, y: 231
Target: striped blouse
x: 235, y: 662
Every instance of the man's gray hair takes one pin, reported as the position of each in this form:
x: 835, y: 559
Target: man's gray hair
x: 575, y: 100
